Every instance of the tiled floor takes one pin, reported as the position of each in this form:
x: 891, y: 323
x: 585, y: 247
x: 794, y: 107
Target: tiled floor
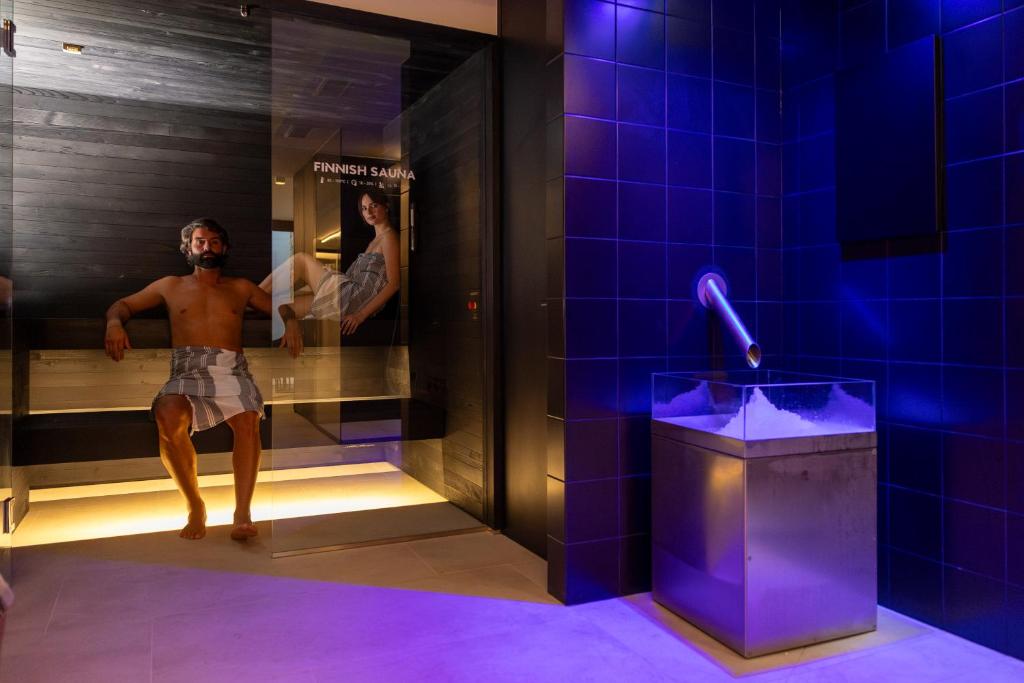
x: 462, y: 608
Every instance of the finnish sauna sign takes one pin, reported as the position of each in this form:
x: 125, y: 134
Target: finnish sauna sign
x: 362, y: 174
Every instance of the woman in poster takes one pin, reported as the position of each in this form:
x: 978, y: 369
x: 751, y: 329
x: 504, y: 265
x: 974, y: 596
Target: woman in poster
x: 353, y: 296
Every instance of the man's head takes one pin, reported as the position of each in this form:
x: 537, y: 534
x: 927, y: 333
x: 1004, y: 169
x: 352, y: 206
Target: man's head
x: 205, y: 243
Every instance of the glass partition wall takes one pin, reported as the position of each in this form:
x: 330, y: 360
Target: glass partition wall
x: 325, y: 141
x: 380, y: 160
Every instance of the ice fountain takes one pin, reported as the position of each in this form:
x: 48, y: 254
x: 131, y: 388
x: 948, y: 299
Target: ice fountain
x: 763, y: 496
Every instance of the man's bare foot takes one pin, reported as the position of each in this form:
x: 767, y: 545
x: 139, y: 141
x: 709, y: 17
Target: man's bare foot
x: 196, y: 527
x: 243, y: 529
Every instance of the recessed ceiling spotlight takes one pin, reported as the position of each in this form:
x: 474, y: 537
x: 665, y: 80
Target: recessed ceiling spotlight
x: 72, y: 49
x: 280, y: 180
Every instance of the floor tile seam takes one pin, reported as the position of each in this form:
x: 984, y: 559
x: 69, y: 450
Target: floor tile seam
x: 528, y: 578
x: 53, y: 607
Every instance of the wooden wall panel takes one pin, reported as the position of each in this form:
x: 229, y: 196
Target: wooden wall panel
x: 164, y: 117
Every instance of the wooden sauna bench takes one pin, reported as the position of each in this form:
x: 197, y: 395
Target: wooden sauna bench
x: 86, y: 381
x: 83, y: 417
x: 68, y: 371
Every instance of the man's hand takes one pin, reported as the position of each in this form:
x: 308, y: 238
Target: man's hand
x: 116, y: 341
x: 350, y: 322
x: 292, y: 339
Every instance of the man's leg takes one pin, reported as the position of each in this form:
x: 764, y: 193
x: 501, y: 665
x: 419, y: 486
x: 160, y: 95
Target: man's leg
x: 173, y: 415
x: 245, y: 460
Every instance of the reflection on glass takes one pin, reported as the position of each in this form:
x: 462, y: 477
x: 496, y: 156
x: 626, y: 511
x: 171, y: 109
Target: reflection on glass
x: 376, y: 425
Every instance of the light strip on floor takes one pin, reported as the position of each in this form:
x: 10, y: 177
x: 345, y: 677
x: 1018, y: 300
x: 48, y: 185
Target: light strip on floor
x: 205, y: 481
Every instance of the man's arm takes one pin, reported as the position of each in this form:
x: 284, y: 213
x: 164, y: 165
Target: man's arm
x: 121, y: 310
x: 292, y: 339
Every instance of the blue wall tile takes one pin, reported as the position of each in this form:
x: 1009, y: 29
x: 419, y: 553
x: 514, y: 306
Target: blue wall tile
x: 1013, y: 44
x: 912, y: 19
x: 973, y: 57
x: 734, y: 166
x: 687, y: 329
x: 688, y: 46
x: 589, y: 148
x: 641, y: 153
x: 916, y: 523
x: 970, y: 466
x: 588, y: 326
x: 686, y: 263
x: 916, y: 586
x: 695, y: 10
x: 974, y: 538
x: 915, y: 330
x: 635, y: 384
x: 974, y: 608
x: 597, y: 442
x: 590, y: 208
x: 974, y: 125
x: 769, y: 123
x: 739, y: 266
x: 640, y: 37
x: 589, y: 87
x: 1015, y: 404
x: 769, y: 222
x: 641, y: 328
x: 591, y: 388
x: 735, y: 14
x: 864, y: 329
x: 975, y: 194
x: 689, y: 103
x: 734, y: 219
x: 862, y: 33
x: 972, y: 331
x: 689, y: 215
x: 689, y: 159
x: 590, y: 28
x: 1014, y: 179
x: 641, y: 95
x: 734, y: 110
x: 1014, y: 116
x: 972, y: 400
x: 972, y: 264
x: 915, y: 459
x: 957, y: 13
x: 915, y: 394
x: 733, y: 56
x: 641, y: 270
x: 641, y: 212
x: 590, y: 268
x: 768, y: 68
x: 1014, y: 313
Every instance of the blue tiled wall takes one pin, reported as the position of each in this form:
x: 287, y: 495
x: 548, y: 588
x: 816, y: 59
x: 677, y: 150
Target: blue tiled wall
x: 664, y: 161
x: 936, y: 322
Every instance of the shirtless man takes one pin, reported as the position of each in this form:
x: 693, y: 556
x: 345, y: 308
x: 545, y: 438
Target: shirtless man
x: 210, y: 381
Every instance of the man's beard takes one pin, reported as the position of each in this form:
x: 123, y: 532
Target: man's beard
x: 207, y: 260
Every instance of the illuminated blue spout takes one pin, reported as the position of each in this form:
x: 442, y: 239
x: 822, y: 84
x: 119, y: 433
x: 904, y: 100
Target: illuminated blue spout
x: 711, y: 291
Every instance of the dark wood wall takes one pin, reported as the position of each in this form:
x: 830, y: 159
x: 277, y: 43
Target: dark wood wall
x: 164, y: 117
x: 522, y: 30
